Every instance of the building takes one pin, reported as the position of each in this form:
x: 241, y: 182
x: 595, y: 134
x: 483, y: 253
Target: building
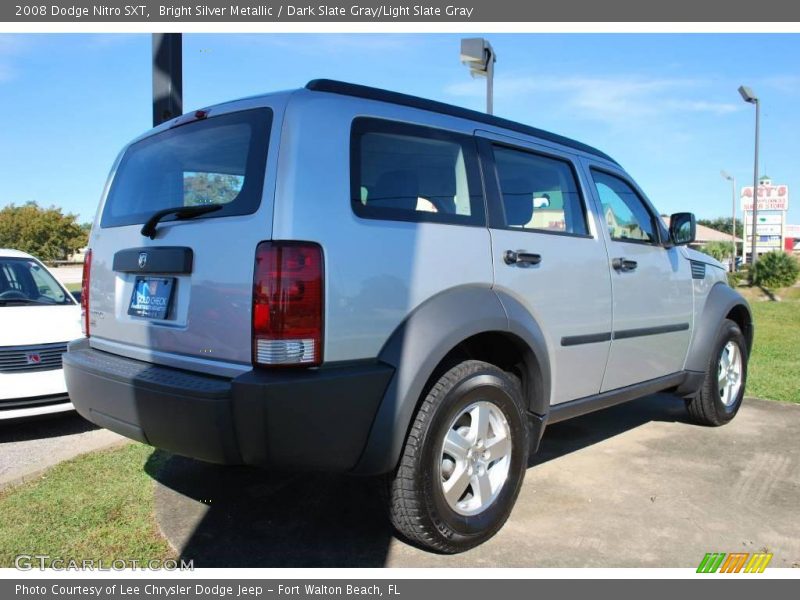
x: 706, y: 235
x: 791, y: 239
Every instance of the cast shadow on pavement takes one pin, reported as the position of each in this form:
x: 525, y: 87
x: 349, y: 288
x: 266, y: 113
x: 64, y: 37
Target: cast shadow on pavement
x: 249, y: 517
x: 45, y: 426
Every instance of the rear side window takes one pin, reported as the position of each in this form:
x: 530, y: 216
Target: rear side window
x: 412, y: 173
x: 539, y: 192
x: 218, y: 160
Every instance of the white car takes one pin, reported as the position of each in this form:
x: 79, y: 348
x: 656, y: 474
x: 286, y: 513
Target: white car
x: 38, y: 316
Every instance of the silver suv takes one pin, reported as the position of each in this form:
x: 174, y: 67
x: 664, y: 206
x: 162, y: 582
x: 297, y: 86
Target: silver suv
x: 348, y: 279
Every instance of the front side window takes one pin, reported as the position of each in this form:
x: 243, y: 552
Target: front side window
x: 625, y: 214
x: 539, y: 192
x: 218, y: 160
x: 411, y: 173
x: 25, y: 281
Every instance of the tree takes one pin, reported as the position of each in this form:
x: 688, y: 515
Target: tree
x: 723, y: 224
x: 46, y: 233
x: 208, y: 188
x: 722, y: 251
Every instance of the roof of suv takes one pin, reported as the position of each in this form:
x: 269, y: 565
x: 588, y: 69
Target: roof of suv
x: 371, y: 93
x: 9, y: 253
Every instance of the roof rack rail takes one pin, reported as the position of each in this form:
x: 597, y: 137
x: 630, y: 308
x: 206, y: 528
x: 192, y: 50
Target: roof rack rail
x: 371, y: 93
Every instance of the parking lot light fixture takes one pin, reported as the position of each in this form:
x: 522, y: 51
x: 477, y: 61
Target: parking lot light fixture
x: 479, y: 56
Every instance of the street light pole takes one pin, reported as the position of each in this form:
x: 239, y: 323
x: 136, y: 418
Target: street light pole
x: 754, y: 255
x: 490, y: 81
x: 733, y: 223
x: 749, y: 97
x: 732, y: 179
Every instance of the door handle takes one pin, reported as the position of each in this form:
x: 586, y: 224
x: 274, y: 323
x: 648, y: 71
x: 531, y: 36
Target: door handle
x: 623, y: 264
x: 511, y: 257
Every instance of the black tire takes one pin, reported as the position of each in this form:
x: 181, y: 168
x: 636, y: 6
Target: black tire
x: 418, y: 508
x: 707, y: 407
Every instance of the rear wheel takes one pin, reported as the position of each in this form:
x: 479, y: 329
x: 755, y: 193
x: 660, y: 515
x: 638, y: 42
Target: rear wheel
x: 722, y: 392
x: 464, y: 460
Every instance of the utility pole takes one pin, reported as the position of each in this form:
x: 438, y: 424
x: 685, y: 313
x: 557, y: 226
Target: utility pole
x: 167, y: 77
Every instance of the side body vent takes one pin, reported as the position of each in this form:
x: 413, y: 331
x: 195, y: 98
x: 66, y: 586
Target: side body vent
x: 698, y: 270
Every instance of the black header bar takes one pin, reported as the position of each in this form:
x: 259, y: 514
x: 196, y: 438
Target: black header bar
x: 454, y: 11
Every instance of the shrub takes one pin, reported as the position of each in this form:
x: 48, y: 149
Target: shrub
x: 734, y: 279
x: 775, y: 270
x: 722, y: 251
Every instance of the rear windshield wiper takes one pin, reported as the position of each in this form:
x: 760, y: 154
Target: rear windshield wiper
x: 181, y: 214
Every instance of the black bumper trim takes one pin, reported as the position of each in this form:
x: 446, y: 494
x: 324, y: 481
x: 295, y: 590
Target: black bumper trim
x: 314, y: 418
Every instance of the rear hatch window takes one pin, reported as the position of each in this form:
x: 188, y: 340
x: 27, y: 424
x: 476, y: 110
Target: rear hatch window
x: 216, y: 160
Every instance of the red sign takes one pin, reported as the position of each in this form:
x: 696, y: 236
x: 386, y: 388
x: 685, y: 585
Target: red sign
x: 770, y: 197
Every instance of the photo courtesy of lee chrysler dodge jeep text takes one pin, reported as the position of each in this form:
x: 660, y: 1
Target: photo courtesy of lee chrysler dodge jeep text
x: 347, y: 279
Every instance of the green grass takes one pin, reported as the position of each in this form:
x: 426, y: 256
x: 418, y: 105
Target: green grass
x: 98, y: 506
x: 775, y: 364
x: 774, y: 369
x: 73, y: 287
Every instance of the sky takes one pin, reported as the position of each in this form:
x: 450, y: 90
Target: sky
x: 665, y: 106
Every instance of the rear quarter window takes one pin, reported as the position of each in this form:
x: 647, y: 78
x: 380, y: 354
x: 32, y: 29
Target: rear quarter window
x: 218, y: 160
x: 405, y: 172
x: 539, y: 192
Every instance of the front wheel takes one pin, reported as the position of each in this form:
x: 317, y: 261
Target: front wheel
x: 464, y: 460
x: 722, y: 392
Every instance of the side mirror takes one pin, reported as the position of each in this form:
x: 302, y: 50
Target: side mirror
x: 77, y: 296
x: 682, y: 228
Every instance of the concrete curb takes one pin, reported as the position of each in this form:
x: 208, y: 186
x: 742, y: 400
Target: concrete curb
x: 18, y: 480
x: 175, y: 529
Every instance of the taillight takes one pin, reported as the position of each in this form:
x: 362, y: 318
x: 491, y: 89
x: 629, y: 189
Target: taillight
x: 87, y: 271
x: 287, y: 304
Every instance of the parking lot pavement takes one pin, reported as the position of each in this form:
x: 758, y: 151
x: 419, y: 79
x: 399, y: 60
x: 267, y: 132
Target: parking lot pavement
x: 636, y: 485
x: 27, y: 448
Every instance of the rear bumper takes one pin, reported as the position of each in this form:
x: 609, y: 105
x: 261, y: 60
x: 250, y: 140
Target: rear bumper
x: 317, y: 419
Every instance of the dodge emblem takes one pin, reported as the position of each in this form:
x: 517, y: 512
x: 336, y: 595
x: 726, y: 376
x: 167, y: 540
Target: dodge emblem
x: 142, y: 259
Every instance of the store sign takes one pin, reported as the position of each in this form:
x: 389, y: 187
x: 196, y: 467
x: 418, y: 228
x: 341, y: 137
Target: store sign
x: 767, y: 245
x: 765, y: 219
x: 769, y: 223
x: 770, y: 197
x: 766, y: 229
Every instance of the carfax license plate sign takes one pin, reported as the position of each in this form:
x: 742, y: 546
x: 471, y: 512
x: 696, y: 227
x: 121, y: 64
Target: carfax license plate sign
x: 151, y: 297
